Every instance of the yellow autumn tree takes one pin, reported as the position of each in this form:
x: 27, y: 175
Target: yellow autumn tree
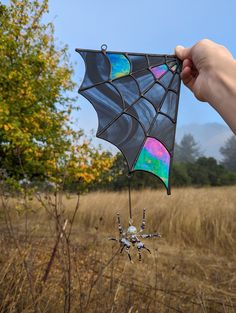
x: 37, y: 140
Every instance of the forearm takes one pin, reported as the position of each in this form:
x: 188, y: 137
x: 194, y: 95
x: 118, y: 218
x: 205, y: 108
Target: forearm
x: 209, y: 71
x: 224, y: 93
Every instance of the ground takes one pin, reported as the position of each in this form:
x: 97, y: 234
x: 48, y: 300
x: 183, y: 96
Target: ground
x: 48, y: 268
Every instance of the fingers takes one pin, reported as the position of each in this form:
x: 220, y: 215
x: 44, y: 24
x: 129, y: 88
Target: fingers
x: 188, y: 78
x: 183, y: 53
x: 189, y: 73
x: 187, y: 62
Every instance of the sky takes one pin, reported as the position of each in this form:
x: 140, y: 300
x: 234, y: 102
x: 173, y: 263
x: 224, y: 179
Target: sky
x: 150, y: 26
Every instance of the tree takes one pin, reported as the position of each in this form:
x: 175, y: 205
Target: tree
x: 206, y: 171
x: 187, y: 151
x: 137, y: 180
x: 34, y: 79
x: 37, y: 139
x: 229, y: 153
x: 180, y: 176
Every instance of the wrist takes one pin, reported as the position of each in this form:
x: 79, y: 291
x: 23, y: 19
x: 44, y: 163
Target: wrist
x: 223, y: 83
x: 224, y: 91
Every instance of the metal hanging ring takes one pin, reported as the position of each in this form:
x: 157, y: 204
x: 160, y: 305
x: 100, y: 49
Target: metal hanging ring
x: 104, y: 47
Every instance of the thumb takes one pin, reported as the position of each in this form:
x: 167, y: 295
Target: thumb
x: 183, y: 53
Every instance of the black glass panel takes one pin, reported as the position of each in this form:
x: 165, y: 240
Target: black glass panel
x: 166, y: 79
x: 155, y: 95
x: 145, y: 80
x: 144, y: 111
x: 126, y: 134
x: 170, y: 59
x: 175, y: 83
x: 171, y: 63
x: 169, y: 105
x: 97, y: 68
x: 106, y: 101
x: 138, y: 62
x: 156, y: 60
x: 164, y: 130
x: 128, y: 89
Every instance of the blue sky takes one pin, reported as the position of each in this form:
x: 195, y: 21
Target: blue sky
x: 143, y: 26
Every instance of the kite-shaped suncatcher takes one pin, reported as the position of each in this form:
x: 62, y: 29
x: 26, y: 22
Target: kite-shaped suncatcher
x: 136, y: 99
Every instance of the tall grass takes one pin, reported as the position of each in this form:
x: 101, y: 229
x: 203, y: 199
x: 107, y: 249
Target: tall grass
x: 203, y: 218
x: 192, y: 267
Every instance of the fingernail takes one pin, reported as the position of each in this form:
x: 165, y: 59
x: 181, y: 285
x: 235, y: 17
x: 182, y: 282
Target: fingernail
x: 178, y: 50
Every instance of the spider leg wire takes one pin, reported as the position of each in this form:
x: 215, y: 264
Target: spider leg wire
x: 139, y: 254
x: 119, y: 225
x: 122, y: 248
x: 112, y: 238
x: 147, y: 249
x: 143, y: 220
x: 140, y: 245
x: 127, y: 251
x: 145, y: 236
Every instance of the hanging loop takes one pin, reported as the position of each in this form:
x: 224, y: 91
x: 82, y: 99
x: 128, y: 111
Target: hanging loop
x: 104, y: 47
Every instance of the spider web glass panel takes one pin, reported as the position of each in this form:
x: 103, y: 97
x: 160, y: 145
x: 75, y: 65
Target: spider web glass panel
x: 136, y: 98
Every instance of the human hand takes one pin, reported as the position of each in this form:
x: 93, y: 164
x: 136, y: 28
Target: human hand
x: 202, y: 64
x: 209, y: 71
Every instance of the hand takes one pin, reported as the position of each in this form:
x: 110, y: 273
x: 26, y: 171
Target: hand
x: 209, y: 71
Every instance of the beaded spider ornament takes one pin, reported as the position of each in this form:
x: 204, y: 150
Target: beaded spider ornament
x: 132, y: 237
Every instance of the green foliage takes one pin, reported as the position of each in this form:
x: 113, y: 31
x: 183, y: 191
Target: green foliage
x: 118, y: 173
x: 180, y: 176
x: 119, y: 178
x: 188, y: 170
x: 203, y: 172
x: 207, y: 172
x: 229, y: 153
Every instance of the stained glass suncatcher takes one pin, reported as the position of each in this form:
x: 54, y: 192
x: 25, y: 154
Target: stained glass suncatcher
x: 136, y: 99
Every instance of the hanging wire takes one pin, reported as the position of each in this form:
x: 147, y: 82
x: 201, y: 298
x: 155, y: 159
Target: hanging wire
x: 130, y: 202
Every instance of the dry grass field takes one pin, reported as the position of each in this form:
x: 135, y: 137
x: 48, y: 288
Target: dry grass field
x: 52, y: 260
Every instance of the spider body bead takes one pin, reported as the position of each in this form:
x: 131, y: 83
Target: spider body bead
x: 132, y: 230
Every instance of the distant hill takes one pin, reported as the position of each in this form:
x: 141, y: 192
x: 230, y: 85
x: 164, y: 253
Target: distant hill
x: 210, y: 137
